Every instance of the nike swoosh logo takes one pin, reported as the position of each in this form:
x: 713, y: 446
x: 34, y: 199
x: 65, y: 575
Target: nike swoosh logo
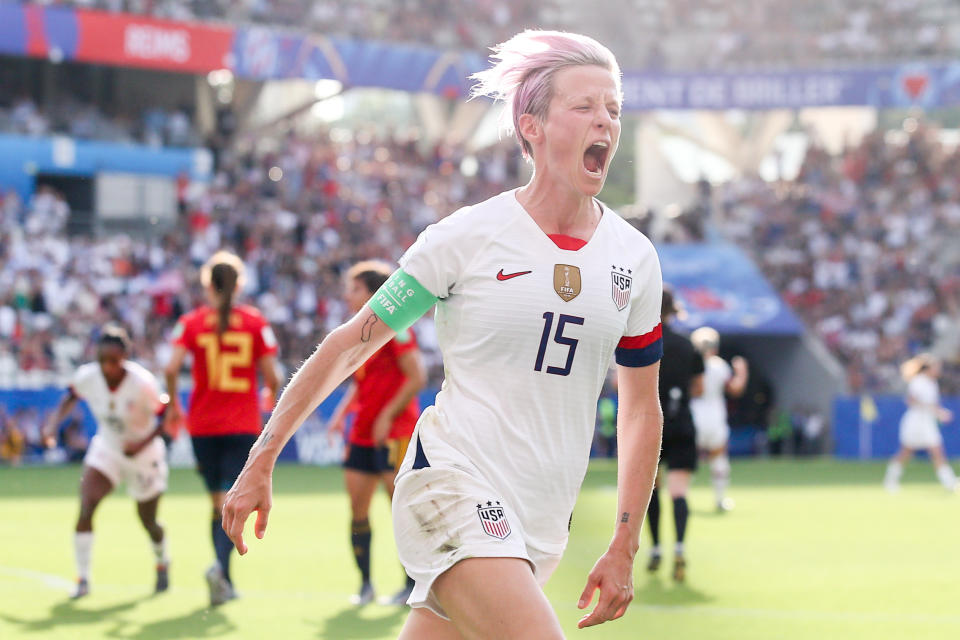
x: 501, y: 276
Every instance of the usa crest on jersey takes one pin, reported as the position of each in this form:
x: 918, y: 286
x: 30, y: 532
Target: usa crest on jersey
x: 621, y: 283
x: 494, y: 520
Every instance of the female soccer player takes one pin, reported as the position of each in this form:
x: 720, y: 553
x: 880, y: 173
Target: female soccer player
x: 230, y: 344
x: 919, y: 426
x: 710, y: 409
x: 383, y: 397
x: 538, y: 288
x: 125, y: 400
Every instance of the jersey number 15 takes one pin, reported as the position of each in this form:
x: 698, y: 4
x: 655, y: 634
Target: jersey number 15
x: 559, y: 338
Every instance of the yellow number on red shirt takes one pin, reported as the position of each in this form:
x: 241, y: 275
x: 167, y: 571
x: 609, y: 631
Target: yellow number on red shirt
x: 221, y: 363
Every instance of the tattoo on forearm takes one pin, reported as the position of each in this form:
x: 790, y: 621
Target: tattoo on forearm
x: 625, y: 517
x: 367, y: 329
x: 265, y: 437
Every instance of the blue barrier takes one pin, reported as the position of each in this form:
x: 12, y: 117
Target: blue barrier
x: 44, y: 400
x: 856, y: 435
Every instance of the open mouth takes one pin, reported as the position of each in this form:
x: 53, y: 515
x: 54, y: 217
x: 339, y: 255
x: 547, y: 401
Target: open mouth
x: 595, y: 158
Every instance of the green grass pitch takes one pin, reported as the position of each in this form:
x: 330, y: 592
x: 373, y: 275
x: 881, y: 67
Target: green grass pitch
x: 814, y: 549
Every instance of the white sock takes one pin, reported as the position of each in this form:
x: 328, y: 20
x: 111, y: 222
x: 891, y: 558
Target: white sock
x: 720, y: 475
x: 82, y: 546
x: 894, y: 471
x: 946, y: 476
x: 160, y: 552
x: 678, y: 549
x: 655, y: 550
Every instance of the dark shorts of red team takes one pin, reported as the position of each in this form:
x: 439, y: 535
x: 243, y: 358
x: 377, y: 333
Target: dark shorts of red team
x: 376, y: 460
x: 220, y: 459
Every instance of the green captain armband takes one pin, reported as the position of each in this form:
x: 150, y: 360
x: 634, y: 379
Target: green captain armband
x: 401, y: 301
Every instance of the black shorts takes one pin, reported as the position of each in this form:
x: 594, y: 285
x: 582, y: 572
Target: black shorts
x: 679, y: 446
x: 221, y: 458
x: 367, y: 459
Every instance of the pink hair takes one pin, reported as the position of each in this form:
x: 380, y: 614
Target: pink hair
x: 523, y: 70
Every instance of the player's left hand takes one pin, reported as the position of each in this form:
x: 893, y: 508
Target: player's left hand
x: 381, y: 428
x: 613, y: 576
x: 133, y: 448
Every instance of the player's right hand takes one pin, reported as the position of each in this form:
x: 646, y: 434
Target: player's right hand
x: 253, y: 491
x: 172, y: 418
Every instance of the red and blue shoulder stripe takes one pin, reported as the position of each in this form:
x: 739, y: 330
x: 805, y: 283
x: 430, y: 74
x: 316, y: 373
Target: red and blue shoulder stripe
x: 642, y: 350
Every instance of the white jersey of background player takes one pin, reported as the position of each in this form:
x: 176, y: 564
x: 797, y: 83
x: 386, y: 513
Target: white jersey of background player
x: 123, y: 415
x: 125, y: 400
x: 710, y: 409
x: 528, y: 321
x: 919, y: 426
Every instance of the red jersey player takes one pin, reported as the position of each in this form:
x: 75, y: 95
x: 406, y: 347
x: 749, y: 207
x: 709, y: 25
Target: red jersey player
x: 229, y: 344
x: 383, y: 399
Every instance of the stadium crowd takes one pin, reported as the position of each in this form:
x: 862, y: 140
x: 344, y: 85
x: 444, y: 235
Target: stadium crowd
x: 866, y: 247
x: 155, y: 127
x: 684, y: 34
x: 298, y: 213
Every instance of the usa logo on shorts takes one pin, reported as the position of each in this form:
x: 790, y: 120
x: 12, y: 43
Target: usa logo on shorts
x: 494, y: 520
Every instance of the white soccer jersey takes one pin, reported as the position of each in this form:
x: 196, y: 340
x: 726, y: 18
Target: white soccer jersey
x: 125, y: 414
x: 924, y: 394
x: 711, y: 407
x: 527, y: 331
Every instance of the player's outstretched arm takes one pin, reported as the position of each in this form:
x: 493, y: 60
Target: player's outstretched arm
x: 639, y: 428
x: 339, y: 355
x: 67, y: 402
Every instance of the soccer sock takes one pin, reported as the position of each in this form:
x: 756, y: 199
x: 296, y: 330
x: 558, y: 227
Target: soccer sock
x: 894, y: 471
x: 82, y: 546
x: 160, y: 551
x: 222, y: 547
x: 720, y: 475
x: 653, y: 517
x: 360, y: 538
x: 946, y: 476
x: 680, y: 513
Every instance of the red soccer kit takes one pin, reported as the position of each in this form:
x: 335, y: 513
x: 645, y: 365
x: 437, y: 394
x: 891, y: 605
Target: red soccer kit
x: 224, y: 400
x: 377, y: 381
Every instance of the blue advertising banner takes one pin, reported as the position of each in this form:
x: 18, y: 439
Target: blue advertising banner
x: 904, y: 85
x: 64, y: 33
x: 719, y: 286
x: 868, y: 427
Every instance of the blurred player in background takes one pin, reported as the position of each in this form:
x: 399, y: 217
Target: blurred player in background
x: 230, y: 344
x: 919, y: 426
x: 383, y: 397
x: 126, y: 402
x: 710, y: 408
x: 681, y: 378
x: 538, y: 288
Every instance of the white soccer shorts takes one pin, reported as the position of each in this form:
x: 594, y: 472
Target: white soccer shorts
x: 145, y: 474
x: 442, y: 515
